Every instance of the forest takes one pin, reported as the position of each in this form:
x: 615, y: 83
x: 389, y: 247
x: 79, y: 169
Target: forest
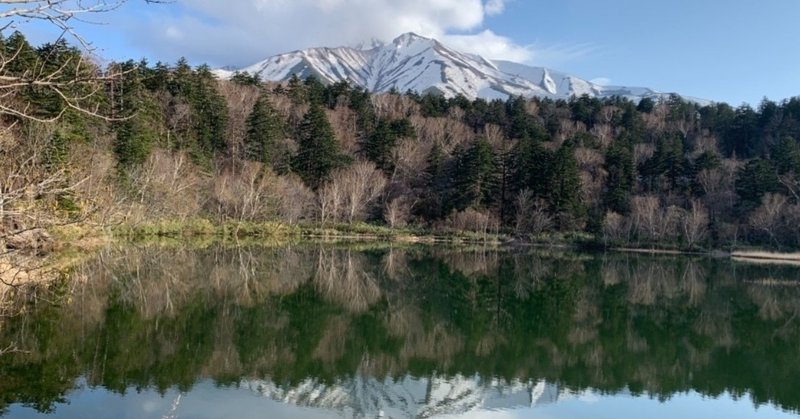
x: 131, y: 143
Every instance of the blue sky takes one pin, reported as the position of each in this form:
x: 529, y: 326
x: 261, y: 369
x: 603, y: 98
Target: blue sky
x: 734, y: 50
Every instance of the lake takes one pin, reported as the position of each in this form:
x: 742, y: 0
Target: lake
x: 369, y: 331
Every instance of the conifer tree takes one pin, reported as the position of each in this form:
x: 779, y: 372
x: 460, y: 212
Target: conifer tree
x: 135, y: 133
x: 476, y: 177
x: 315, y: 90
x: 619, y: 165
x: 263, y: 129
x: 433, y: 184
x: 210, y: 111
x: 757, y: 178
x: 786, y: 156
x: 532, y: 168
x: 379, y: 145
x: 297, y: 92
x: 318, y: 152
x: 668, y: 161
x: 564, y: 193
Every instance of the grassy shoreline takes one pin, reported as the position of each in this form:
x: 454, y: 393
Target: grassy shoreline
x: 82, y: 237
x: 81, y: 241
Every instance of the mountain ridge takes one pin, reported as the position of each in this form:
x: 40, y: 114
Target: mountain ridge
x: 412, y: 62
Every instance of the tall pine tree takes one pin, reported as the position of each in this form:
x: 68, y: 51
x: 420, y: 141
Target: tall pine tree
x: 476, y: 177
x: 621, y: 171
x: 264, y: 128
x: 318, y: 152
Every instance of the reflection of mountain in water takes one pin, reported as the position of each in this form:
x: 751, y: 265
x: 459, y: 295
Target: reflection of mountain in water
x: 366, y: 397
x: 310, y: 317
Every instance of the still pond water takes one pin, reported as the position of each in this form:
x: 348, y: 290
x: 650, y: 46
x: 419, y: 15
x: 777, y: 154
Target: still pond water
x: 325, y: 331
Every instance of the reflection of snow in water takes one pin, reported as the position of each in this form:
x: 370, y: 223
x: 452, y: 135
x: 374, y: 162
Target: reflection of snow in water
x: 364, y: 397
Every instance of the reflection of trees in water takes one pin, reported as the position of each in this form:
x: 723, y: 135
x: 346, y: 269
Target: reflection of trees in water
x: 163, y: 317
x: 343, y: 278
x: 651, y: 281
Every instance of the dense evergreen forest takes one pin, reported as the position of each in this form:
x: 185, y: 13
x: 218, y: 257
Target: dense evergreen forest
x: 146, y: 142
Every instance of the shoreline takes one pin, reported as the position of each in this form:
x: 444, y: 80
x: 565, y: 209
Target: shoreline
x: 86, y: 238
x: 78, y: 242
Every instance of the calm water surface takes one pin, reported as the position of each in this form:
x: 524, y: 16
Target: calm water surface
x: 325, y: 331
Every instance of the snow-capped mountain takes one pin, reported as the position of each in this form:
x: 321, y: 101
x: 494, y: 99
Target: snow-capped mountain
x: 413, y: 62
x: 410, y: 397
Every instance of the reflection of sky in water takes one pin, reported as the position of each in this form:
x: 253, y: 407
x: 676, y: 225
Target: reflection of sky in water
x: 659, y: 325
x: 209, y: 401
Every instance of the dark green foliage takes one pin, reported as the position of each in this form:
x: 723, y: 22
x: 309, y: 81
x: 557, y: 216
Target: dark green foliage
x: 646, y: 105
x: 585, y: 109
x: 246, y: 79
x: 668, y: 163
x: 33, y: 70
x: 136, y: 132
x: 755, y: 179
x: 132, y: 144
x: 564, y: 194
x: 621, y: 171
x: 297, y: 93
x: 786, y: 156
x: 521, y: 123
x: 264, y: 128
x: 318, y: 151
x: 433, y: 183
x: 156, y: 79
x: 553, y: 177
x: 679, y: 110
x: 336, y: 93
x: 741, y: 136
x: 378, y: 147
x: 532, y: 167
x: 56, y: 151
x: 433, y: 105
x: 210, y: 111
x: 314, y: 90
x: 707, y: 160
x: 475, y: 177
x: 26, y: 60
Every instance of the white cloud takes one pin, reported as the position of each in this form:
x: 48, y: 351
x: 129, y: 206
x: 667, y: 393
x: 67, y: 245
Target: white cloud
x: 602, y: 81
x: 240, y: 32
x: 495, y: 7
x: 490, y: 45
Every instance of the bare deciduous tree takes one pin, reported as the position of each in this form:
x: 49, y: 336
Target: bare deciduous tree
x: 295, y: 199
x: 330, y: 200
x: 694, y: 223
x: 651, y: 221
x: 768, y: 218
x: 60, y: 80
x: 397, y: 211
x: 470, y: 219
x: 616, y: 228
x: 532, y: 216
x: 363, y: 183
x: 245, y: 193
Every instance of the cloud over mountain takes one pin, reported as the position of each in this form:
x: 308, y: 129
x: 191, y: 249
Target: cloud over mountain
x: 241, y: 31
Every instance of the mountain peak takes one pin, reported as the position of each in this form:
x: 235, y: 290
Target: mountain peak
x: 368, y: 45
x: 409, y: 38
x: 417, y: 63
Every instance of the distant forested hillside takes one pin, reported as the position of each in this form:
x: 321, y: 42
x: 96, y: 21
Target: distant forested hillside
x: 136, y: 142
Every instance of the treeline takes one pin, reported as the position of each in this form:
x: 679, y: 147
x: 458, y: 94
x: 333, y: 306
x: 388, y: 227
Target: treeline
x: 177, y: 142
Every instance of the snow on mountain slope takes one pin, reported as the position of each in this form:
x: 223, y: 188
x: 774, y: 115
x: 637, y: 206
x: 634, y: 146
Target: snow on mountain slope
x: 410, y: 397
x: 423, y: 65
